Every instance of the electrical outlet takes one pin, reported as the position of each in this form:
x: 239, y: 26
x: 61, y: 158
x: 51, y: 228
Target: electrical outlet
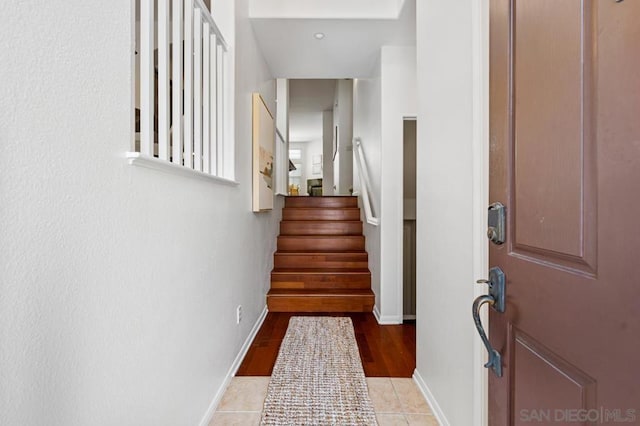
x: 239, y: 314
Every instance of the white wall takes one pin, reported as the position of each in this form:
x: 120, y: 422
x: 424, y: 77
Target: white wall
x: 282, y: 147
x: 343, y: 118
x: 366, y: 126
x: 380, y: 106
x: 118, y: 284
x: 449, y: 243
x: 314, y: 148
x: 222, y: 12
x: 327, y: 152
x: 399, y: 82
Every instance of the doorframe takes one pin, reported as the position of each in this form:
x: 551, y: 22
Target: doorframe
x: 480, y: 202
x: 400, y: 253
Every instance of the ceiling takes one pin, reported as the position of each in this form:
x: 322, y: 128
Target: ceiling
x: 325, y: 9
x: 350, y: 48
x: 307, y: 100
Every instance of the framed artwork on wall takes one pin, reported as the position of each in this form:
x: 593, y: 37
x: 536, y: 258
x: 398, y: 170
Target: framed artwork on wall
x: 263, y: 146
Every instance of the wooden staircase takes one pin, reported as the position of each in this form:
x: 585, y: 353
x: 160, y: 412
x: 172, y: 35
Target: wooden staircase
x: 321, y: 264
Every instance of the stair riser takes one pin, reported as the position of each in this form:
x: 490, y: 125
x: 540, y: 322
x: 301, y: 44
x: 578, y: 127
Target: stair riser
x: 297, y: 263
x: 321, y: 202
x: 338, y: 261
x: 320, y: 281
x: 346, y: 243
x: 320, y: 214
x: 320, y: 304
x: 320, y: 228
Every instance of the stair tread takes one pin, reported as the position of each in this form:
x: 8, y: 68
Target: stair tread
x: 323, y: 236
x: 320, y: 227
x: 318, y: 221
x: 339, y: 201
x: 320, y: 292
x: 321, y: 208
x: 316, y: 270
x: 319, y: 252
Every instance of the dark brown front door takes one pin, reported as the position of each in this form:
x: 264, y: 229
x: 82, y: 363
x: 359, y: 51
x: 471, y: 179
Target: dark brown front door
x: 565, y: 161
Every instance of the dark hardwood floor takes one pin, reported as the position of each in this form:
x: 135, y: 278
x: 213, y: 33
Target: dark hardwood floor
x: 385, y: 350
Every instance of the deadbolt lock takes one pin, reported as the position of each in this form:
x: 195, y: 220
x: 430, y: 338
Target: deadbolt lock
x: 496, y: 223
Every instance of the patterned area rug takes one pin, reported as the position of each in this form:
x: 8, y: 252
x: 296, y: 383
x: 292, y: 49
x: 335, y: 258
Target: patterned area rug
x: 318, y: 377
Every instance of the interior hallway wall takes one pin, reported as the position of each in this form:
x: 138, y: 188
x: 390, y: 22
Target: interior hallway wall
x: 399, y: 100
x: 327, y: 152
x: 118, y: 284
x: 446, y: 358
x: 366, y: 126
x: 281, y: 161
x: 380, y: 105
x: 343, y: 119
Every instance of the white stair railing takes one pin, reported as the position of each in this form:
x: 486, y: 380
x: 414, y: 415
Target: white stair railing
x: 365, y: 184
x: 189, y: 76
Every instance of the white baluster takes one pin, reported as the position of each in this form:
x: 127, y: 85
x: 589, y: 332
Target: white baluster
x: 220, y: 109
x: 197, y: 90
x: 214, y: 105
x: 163, y: 79
x: 188, y: 83
x: 147, y: 77
x: 206, y: 98
x: 176, y: 128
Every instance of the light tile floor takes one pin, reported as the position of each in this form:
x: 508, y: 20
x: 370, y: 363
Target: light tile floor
x: 396, y: 402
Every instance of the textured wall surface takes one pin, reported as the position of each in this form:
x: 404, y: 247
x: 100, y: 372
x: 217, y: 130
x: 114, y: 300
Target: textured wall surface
x: 118, y: 285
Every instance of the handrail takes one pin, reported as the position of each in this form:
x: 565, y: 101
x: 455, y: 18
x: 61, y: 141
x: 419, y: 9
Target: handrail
x: 365, y: 183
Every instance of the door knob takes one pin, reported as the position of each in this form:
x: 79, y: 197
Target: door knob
x: 496, y: 300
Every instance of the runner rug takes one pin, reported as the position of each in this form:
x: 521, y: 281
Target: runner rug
x: 318, y: 377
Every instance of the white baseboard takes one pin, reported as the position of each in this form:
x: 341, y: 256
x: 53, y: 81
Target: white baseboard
x: 386, y: 319
x: 247, y: 343
x: 431, y: 400
x: 233, y: 369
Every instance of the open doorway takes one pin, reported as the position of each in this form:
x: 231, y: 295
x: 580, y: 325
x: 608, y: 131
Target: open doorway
x: 409, y: 220
x: 309, y: 101
x: 320, y: 120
